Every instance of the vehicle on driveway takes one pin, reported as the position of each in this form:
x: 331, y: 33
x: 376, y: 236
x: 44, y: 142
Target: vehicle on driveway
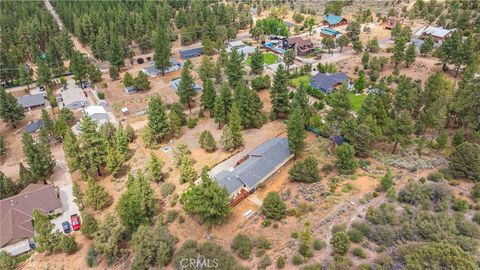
x: 75, y: 222
x: 66, y: 227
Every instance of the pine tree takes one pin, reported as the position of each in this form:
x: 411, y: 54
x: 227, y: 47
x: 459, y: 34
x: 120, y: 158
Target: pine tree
x: 39, y: 157
x: 157, y: 118
x: 274, y: 207
x: 234, y: 68
x: 340, y: 106
x: 186, y: 89
x: 154, y: 168
x: 345, y: 159
x: 279, y: 93
x: 71, y: 149
x: 410, y: 54
x: 180, y: 150
x: 25, y: 75
x: 396, y: 30
x: 328, y: 43
x: 398, y: 51
x: 113, y: 73
x: 110, y: 234
x: 442, y: 140
x: 357, y: 46
x: 365, y: 59
x: 10, y: 110
x: 220, y: 114
x: 232, y: 136
x: 246, y: 105
x: 208, y: 96
x: 256, y: 62
x: 343, y: 41
x: 175, y: 123
x: 44, y: 74
x: 8, y: 188
x: 26, y: 177
x: 89, y: 225
x: 45, y: 239
x: 458, y: 137
x: 162, y: 48
x: 3, y: 147
x: 78, y: 66
x: 387, y: 181
x: 207, y: 200
x: 141, y: 82
x: 96, y: 196
x: 113, y: 161
x: 93, y: 147
x: 289, y: 58
x: 115, y: 52
x: 305, y: 171
x: 207, y: 69
x: 296, y: 131
x: 399, y: 130
x: 121, y: 143
x: 207, y: 141
x: 465, y: 161
x: 138, y: 204
x: 360, y: 83
x: 427, y: 46
x: 47, y: 122
x: 187, y: 172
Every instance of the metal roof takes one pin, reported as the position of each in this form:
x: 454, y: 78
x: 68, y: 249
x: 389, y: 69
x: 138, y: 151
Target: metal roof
x: 332, y: 19
x: 73, y: 95
x: 190, y: 53
x: 92, y: 110
x: 261, y: 162
x: 33, y: 126
x: 176, y: 82
x: 130, y: 89
x: 434, y: 31
x: 31, y: 100
x: 329, y: 31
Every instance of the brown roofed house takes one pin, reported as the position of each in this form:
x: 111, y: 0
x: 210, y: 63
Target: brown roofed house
x: 301, y: 46
x: 391, y: 21
x: 16, y: 216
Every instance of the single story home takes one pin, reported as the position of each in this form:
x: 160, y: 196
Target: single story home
x: 16, y: 216
x: 334, y: 20
x: 329, y: 32
x: 438, y: 34
x: 97, y: 113
x: 152, y: 71
x: 241, y: 47
x: 392, y: 21
x: 34, y: 126
x: 301, y: 46
x: 176, y: 82
x: 191, y: 53
x: 29, y: 102
x: 254, y: 168
x: 326, y: 83
x: 130, y: 89
x: 74, y: 98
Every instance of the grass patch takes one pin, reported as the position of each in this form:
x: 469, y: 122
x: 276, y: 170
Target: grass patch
x: 295, y: 82
x: 356, y: 101
x: 268, y: 58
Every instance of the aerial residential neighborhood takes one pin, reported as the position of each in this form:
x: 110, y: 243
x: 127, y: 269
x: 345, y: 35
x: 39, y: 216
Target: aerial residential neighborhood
x: 259, y: 134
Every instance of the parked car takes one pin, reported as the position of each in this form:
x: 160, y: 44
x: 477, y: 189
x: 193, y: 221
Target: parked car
x: 66, y: 227
x: 75, y: 222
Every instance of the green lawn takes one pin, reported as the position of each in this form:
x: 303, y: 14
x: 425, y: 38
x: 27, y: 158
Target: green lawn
x: 356, y: 101
x: 268, y: 58
x: 299, y: 80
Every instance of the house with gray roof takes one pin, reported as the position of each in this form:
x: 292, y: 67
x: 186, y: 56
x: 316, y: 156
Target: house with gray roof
x: 256, y: 167
x: 30, y: 102
x: 152, y: 71
x: 34, y: 126
x: 74, y: 98
x: 191, y: 53
x: 326, y: 83
x: 438, y: 34
x: 16, y: 216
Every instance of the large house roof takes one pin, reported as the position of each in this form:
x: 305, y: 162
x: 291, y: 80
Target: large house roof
x: 434, y: 31
x: 31, y: 100
x: 16, y: 212
x: 325, y: 82
x: 333, y: 19
x: 73, y: 95
x: 260, y: 163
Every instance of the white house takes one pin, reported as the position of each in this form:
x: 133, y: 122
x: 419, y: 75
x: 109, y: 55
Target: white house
x: 97, y: 113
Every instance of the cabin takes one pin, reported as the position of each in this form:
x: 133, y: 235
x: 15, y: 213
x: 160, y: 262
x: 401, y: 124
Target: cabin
x: 16, y: 216
x: 254, y: 168
x: 327, y: 83
x: 438, y: 34
x: 329, y: 32
x: 74, y: 98
x: 392, y: 21
x: 191, y: 53
x: 334, y: 20
x: 30, y: 102
x: 175, y: 83
x: 301, y: 46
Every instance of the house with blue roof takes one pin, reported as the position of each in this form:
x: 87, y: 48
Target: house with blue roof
x: 256, y: 167
x: 329, y: 32
x: 334, y: 20
x: 191, y: 53
x: 327, y: 83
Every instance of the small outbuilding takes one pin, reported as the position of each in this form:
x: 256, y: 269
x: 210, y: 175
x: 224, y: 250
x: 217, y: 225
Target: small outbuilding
x: 97, y: 113
x: 329, y: 32
x: 130, y: 89
x: 34, y: 126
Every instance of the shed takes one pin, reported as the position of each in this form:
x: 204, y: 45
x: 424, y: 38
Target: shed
x: 191, y: 53
x: 327, y: 82
x: 329, y: 32
x: 130, y: 89
x: 29, y: 102
x: 334, y: 20
x: 33, y: 126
